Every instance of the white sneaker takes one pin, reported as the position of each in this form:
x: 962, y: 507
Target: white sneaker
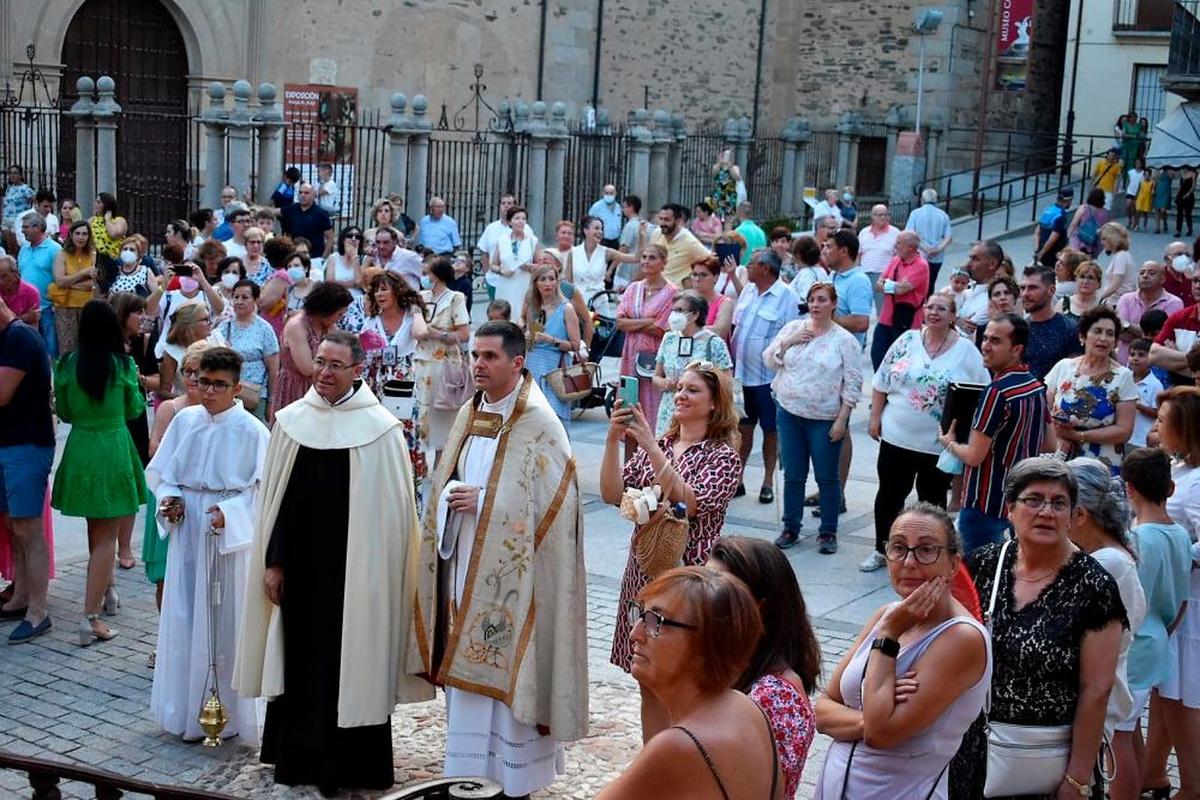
x: 872, y: 562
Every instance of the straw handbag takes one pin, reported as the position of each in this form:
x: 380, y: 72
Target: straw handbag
x: 571, y: 382
x: 659, y: 544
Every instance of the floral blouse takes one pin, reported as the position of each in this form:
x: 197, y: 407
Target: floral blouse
x: 792, y: 724
x: 1089, y: 402
x: 813, y: 380
x: 706, y: 346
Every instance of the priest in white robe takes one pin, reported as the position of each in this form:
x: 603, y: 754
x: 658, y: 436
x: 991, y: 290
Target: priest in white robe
x: 332, y: 582
x: 206, y: 475
x: 502, y: 616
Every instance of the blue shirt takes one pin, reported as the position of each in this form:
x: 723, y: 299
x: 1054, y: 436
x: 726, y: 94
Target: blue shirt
x: 757, y: 320
x: 439, y: 235
x: 855, y: 296
x: 610, y: 215
x: 255, y: 342
x: 1164, y: 570
x: 36, y: 265
x: 1012, y: 411
x: 1050, y: 342
x: 932, y: 225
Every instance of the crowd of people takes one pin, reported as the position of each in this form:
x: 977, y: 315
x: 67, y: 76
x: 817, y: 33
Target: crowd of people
x: 222, y: 375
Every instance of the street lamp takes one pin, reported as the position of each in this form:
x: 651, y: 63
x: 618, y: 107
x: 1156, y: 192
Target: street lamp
x: 927, y: 24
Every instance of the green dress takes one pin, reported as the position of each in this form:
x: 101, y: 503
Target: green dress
x: 100, y: 475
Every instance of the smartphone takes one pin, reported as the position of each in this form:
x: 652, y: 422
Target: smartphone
x: 724, y: 249
x: 183, y: 269
x: 629, y: 391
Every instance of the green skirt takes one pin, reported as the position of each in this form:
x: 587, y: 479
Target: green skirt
x: 154, y: 549
x: 100, y: 475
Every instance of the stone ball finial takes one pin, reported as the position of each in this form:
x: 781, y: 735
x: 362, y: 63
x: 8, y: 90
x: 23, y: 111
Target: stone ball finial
x: 661, y: 118
x: 106, y: 84
x: 641, y: 116
x: 558, y: 110
x: 420, y: 104
x: 521, y: 109
x: 504, y: 107
x: 242, y: 90
x: 399, y: 102
x: 266, y: 92
x: 538, y: 110
x: 216, y: 91
x: 85, y: 86
x: 603, y: 118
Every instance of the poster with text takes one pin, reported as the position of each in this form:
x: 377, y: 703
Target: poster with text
x: 1012, y: 44
x: 320, y: 128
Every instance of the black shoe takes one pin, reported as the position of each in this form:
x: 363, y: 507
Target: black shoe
x: 741, y: 490
x: 827, y: 544
x: 813, y: 500
x: 767, y: 495
x: 817, y: 511
x: 787, y: 539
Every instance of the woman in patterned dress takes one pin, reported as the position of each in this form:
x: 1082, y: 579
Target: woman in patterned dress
x: 785, y: 666
x: 395, y: 317
x: 700, y: 449
x: 448, y: 329
x: 1091, y: 397
x: 643, y: 315
x: 302, y: 334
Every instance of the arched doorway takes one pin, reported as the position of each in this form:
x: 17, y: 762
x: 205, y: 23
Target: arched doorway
x: 138, y: 44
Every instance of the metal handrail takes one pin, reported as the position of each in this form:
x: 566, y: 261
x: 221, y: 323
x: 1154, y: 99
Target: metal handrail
x: 45, y: 775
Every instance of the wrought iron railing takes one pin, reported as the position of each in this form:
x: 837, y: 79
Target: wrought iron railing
x: 1183, y: 58
x: 1142, y: 16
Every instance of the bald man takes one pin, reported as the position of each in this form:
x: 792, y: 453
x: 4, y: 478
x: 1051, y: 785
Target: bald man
x: 876, y: 246
x: 904, y: 285
x: 439, y: 231
x: 307, y: 219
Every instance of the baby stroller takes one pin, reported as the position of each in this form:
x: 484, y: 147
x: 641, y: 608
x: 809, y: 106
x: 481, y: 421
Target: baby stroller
x: 606, y: 341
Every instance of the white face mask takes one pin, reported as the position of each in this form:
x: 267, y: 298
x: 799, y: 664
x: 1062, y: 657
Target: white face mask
x: 129, y: 257
x: 1183, y: 265
x: 677, y: 320
x: 296, y: 274
x: 610, y: 198
x: 847, y: 198
x: 229, y: 280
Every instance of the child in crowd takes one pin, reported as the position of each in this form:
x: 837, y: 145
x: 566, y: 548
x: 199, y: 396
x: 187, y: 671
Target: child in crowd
x: 960, y: 284
x: 1151, y: 323
x: 499, y: 310
x: 1148, y: 388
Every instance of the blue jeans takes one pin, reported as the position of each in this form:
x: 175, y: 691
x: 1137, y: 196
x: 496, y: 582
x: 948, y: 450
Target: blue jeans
x: 799, y: 440
x: 979, y: 530
x: 48, y: 331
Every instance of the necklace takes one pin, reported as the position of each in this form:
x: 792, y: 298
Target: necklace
x: 934, y: 352
x: 1038, y: 579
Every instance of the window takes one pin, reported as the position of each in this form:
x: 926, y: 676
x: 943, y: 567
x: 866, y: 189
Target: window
x: 872, y: 165
x: 1148, y: 98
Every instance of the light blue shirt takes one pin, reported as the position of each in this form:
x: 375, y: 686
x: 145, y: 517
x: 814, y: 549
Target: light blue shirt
x: 855, y: 296
x: 440, y: 235
x: 36, y: 265
x: 932, y: 225
x: 1164, y: 570
x: 757, y: 320
x: 610, y: 215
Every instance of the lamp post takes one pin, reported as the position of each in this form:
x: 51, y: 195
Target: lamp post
x: 927, y: 24
x: 1068, y: 151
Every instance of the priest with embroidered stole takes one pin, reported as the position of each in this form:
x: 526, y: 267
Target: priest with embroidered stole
x: 206, y: 474
x: 332, y: 582
x: 502, y: 601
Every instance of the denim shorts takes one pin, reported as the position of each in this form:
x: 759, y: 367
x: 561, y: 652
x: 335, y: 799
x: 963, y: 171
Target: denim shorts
x: 760, y: 407
x: 24, y: 470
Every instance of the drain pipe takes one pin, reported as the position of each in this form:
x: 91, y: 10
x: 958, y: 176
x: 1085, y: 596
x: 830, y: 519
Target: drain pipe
x: 596, y: 59
x: 541, y: 50
x: 758, y: 65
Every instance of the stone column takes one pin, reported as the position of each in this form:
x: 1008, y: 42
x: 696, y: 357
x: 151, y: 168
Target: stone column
x: 398, y: 135
x: 85, y: 140
x: 744, y: 138
x: 847, y: 150
x: 418, y: 159
x: 516, y: 140
x: 803, y: 136
x: 897, y: 121
x: 270, y: 143
x: 241, y: 130
x: 105, y: 114
x: 556, y: 164
x: 659, y: 168
x: 214, y: 119
x: 937, y: 123
x: 535, y: 176
x: 675, y: 157
x: 640, y: 140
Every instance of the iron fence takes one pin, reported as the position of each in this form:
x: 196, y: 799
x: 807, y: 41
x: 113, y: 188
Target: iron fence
x: 593, y: 160
x: 1183, y: 58
x: 470, y: 171
x: 700, y: 152
x: 152, y: 170
x: 29, y: 137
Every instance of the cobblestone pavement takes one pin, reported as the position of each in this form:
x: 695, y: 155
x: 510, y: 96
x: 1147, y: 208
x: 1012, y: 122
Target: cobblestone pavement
x: 91, y: 706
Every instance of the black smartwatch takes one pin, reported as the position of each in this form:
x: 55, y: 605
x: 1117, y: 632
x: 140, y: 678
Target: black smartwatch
x: 889, y: 647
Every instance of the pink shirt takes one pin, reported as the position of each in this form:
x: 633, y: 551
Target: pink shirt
x: 24, y: 298
x: 915, y: 272
x: 1131, y: 306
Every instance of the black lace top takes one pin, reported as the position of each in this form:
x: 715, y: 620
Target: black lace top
x: 1035, y: 651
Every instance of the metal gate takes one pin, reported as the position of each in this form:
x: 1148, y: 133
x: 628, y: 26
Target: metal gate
x: 138, y: 44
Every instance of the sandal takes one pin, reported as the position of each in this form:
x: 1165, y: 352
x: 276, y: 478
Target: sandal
x: 129, y: 563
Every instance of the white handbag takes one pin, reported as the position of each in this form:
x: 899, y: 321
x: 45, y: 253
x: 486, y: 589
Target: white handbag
x: 1022, y: 759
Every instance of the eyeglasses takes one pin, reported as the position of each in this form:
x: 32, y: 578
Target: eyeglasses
x: 923, y: 553
x: 213, y: 386
x: 354, y: 236
x: 190, y: 373
x: 651, y: 620
x: 254, y: 241
x: 333, y: 366
x: 1035, y: 503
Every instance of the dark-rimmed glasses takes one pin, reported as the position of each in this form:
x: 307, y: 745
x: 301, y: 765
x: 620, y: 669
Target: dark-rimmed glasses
x: 651, y: 620
x: 1035, y: 503
x: 923, y: 553
x: 213, y: 386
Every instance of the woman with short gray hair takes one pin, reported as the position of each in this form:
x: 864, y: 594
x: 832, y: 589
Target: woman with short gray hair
x: 1102, y: 531
x: 1056, y: 619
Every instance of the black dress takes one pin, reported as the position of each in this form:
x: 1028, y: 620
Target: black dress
x: 142, y: 354
x: 1036, y: 649
x: 301, y: 736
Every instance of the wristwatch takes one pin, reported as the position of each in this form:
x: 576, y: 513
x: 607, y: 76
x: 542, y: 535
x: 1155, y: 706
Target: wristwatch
x: 1085, y: 790
x: 889, y: 647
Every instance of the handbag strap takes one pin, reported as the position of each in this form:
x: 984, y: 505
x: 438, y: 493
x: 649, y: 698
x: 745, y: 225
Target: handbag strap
x: 991, y: 609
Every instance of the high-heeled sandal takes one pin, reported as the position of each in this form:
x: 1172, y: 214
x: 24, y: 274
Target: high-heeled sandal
x: 112, y: 603
x: 89, y: 634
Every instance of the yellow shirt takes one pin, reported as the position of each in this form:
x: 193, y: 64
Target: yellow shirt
x: 73, y: 297
x: 682, y: 251
x: 1106, y: 175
